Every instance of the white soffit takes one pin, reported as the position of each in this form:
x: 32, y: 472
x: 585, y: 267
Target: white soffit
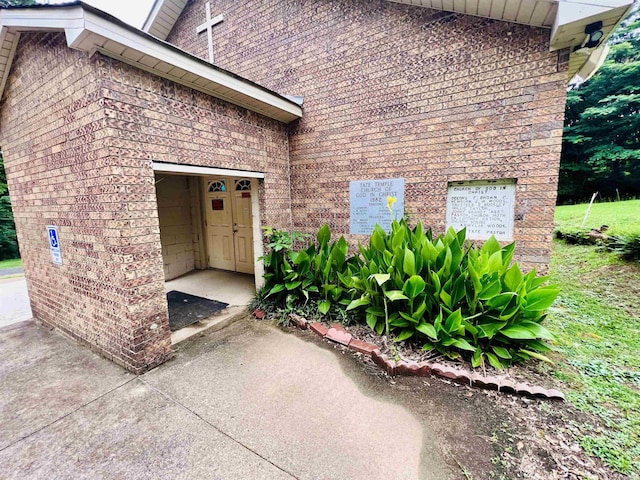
x: 163, y: 16
x: 594, y: 61
x: 567, y: 20
x: 196, y: 170
x: 574, y: 15
x: 88, y: 29
x: 568, y: 31
x: 538, y: 13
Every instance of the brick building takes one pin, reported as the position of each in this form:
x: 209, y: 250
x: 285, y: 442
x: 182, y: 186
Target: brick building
x: 155, y: 154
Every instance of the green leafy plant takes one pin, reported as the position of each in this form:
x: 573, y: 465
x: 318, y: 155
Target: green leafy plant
x: 452, y: 297
x: 505, y: 307
x: 278, y: 263
x: 443, y: 293
x: 308, y: 274
x: 280, y: 245
x: 330, y: 260
x: 627, y: 246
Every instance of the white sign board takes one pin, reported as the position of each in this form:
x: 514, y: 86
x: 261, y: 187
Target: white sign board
x: 368, y: 199
x: 54, y: 244
x: 485, y: 208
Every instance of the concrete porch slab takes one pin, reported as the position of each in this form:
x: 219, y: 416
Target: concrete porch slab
x: 249, y: 401
x: 215, y: 322
x: 236, y: 289
x: 292, y: 402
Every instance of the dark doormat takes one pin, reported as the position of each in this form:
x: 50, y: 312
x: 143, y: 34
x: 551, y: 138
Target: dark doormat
x: 185, y: 309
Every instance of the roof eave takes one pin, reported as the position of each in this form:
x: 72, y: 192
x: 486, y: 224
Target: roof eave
x: 162, y: 17
x: 594, y: 61
x: 90, y: 30
x: 567, y: 20
x: 568, y: 31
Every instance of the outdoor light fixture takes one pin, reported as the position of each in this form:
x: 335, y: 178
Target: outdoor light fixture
x: 594, y: 31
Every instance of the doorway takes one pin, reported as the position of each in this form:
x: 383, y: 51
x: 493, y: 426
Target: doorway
x: 229, y: 223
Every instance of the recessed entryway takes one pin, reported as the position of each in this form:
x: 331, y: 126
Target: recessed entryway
x: 208, y: 226
x: 236, y: 289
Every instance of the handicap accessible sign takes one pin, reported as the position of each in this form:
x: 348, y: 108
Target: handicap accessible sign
x: 54, y: 244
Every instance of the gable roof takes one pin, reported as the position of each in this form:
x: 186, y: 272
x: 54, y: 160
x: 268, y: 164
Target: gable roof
x: 566, y: 19
x: 90, y: 30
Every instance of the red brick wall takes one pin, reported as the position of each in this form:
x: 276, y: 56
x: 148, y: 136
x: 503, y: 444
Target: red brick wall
x: 78, y: 137
x: 155, y: 119
x: 63, y: 170
x: 400, y: 91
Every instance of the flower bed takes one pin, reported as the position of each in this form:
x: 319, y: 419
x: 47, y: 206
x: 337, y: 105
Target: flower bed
x: 442, y: 294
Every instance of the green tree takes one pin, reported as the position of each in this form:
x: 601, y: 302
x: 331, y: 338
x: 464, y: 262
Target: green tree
x: 601, y: 145
x: 8, y: 240
x: 17, y: 3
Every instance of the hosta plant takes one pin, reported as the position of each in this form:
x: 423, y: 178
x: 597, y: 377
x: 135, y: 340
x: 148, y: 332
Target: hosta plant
x: 450, y: 296
x: 443, y: 293
x: 309, y: 273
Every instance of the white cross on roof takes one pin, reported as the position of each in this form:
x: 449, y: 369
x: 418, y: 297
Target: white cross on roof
x: 208, y: 26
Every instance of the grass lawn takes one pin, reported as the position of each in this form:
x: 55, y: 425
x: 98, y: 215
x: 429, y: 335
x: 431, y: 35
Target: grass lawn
x: 16, y: 262
x: 597, y: 322
x: 622, y: 217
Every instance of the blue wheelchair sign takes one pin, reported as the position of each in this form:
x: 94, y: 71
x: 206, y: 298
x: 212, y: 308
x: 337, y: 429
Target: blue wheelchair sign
x: 54, y: 244
x: 53, y: 238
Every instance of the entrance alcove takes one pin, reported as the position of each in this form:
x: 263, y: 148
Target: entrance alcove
x: 211, y: 242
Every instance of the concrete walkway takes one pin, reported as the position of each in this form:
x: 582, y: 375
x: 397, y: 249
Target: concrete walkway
x: 14, y: 301
x: 247, y: 402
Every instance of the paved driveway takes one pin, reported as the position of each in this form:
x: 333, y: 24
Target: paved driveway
x: 5, y: 272
x: 14, y: 301
x: 247, y: 402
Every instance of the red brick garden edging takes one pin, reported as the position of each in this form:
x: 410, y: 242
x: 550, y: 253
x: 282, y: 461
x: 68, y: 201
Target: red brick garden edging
x: 337, y: 333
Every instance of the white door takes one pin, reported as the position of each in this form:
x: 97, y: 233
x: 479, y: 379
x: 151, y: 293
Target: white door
x: 219, y: 223
x: 229, y: 224
x: 243, y: 225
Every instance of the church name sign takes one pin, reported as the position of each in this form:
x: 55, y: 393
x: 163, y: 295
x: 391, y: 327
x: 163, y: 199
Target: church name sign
x: 369, y: 204
x: 485, y: 208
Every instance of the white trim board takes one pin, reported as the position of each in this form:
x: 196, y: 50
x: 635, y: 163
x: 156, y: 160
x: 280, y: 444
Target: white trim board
x: 195, y: 170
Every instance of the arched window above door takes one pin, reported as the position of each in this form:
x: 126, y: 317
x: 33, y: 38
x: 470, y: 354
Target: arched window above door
x: 243, y: 185
x: 217, y: 186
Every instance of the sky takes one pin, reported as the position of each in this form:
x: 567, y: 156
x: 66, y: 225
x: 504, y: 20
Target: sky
x: 134, y: 12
